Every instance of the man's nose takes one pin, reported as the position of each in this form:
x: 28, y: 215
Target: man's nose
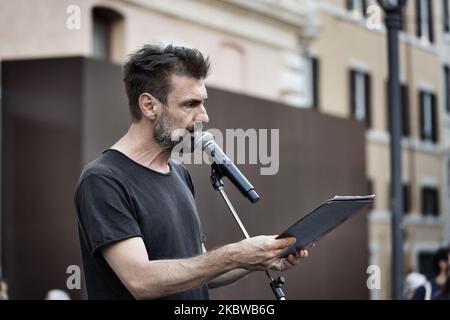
x: 202, y: 115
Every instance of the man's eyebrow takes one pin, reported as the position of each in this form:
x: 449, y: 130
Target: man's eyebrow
x: 193, y: 101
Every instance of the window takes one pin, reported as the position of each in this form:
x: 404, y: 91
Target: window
x: 360, y: 96
x: 357, y: 7
x: 447, y: 89
x: 428, y: 117
x: 430, y: 201
x: 448, y: 178
x: 406, y: 190
x: 312, y: 81
x: 446, y: 15
x: 426, y: 264
x: 404, y: 105
x: 406, y: 198
x: 424, y: 20
x: 106, y: 37
x: 404, y: 21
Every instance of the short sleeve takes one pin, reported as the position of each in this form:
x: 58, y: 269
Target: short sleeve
x: 189, y: 181
x: 104, y: 212
x: 184, y: 173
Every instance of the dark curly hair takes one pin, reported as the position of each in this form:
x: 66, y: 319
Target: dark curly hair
x: 439, y: 255
x: 150, y: 70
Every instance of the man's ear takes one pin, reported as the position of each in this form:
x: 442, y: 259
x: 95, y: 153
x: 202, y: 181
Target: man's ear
x: 149, y: 106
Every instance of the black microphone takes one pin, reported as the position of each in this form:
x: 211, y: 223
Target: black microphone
x: 226, y: 167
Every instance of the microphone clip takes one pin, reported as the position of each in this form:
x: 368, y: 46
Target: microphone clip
x: 216, y: 176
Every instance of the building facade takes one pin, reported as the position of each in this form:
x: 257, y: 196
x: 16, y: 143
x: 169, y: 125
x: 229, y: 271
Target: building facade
x: 352, y: 51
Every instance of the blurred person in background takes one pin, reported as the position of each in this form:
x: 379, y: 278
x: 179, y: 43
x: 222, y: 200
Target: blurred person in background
x: 413, y: 281
x: 446, y: 288
x: 57, y: 294
x: 3, y: 289
x: 436, y: 288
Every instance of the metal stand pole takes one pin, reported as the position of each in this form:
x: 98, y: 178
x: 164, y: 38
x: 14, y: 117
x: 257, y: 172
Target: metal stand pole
x: 217, y: 184
x: 393, y: 23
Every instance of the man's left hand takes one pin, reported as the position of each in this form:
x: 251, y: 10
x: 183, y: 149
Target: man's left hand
x: 290, y: 261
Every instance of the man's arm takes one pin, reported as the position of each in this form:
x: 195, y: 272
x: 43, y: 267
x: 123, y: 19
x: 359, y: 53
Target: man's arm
x: 232, y: 276
x: 226, y: 278
x: 149, y: 279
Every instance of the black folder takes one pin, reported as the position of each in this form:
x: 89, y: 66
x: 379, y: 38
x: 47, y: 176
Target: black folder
x: 333, y: 212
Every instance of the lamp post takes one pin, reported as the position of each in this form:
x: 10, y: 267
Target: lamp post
x: 393, y: 20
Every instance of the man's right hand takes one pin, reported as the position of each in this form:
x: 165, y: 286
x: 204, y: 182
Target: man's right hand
x: 258, y: 253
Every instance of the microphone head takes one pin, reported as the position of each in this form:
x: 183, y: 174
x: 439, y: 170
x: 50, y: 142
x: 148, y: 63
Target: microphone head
x: 203, y: 139
x: 192, y: 143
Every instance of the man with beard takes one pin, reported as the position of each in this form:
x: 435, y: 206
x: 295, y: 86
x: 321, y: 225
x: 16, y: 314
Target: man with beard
x: 140, y: 234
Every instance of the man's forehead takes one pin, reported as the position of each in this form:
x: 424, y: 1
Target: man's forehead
x: 184, y: 87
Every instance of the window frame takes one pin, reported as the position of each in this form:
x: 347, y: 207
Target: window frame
x: 357, y: 7
x: 354, y: 76
x: 432, y: 136
x: 423, y: 23
x: 405, y: 110
x: 446, y: 16
x: 433, y: 192
x: 447, y: 89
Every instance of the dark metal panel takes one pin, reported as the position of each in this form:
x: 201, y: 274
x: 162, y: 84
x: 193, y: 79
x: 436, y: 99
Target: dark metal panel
x: 41, y: 160
x: 105, y: 113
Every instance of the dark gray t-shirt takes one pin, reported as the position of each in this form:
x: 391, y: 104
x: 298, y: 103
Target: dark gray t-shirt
x: 118, y: 198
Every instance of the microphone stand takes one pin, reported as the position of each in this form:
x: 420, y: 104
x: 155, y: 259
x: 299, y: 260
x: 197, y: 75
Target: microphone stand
x: 217, y: 183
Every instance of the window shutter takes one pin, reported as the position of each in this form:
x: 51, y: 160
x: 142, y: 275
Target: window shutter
x: 364, y: 8
x: 368, y: 96
x: 436, y: 202
x: 447, y: 88
x: 404, y: 21
x: 405, y: 110
x: 430, y: 201
x: 421, y: 115
x: 316, y: 82
x: 430, y: 20
x: 434, y: 120
x: 446, y: 16
x: 352, y: 88
x: 406, y: 198
x: 350, y: 5
x: 388, y: 113
x: 418, y: 18
x: 424, y: 201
